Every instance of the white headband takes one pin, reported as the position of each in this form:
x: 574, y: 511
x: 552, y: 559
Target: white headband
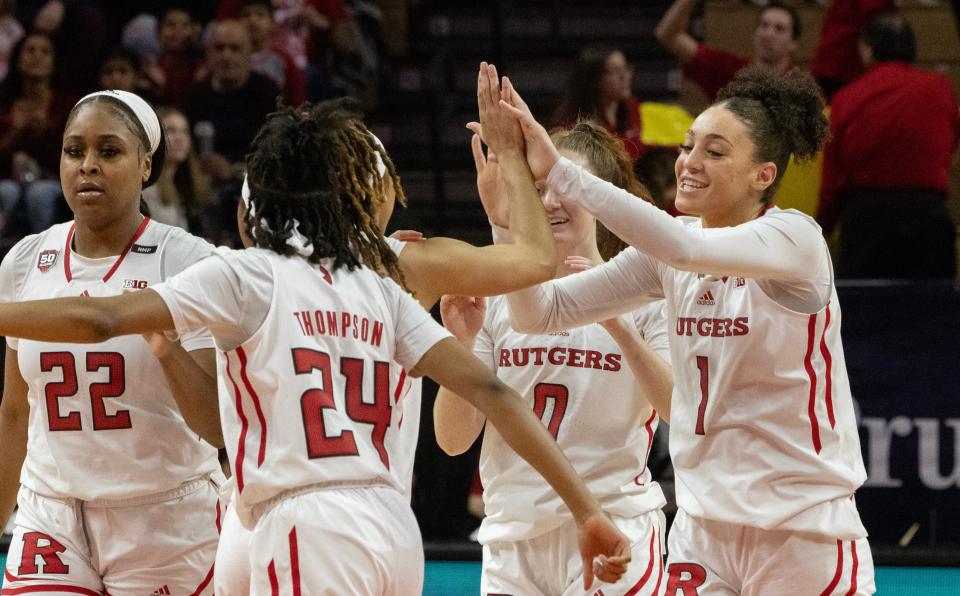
x: 141, y: 109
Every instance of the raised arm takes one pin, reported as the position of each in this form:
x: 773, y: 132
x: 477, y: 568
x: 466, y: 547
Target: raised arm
x: 672, y: 33
x: 445, y: 266
x: 452, y: 366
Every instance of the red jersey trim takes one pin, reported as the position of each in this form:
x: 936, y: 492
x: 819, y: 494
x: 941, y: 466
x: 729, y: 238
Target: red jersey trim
x: 272, y: 575
x: 811, y: 373
x: 853, y: 572
x: 648, y: 425
x: 256, y: 404
x: 116, y: 264
x: 206, y: 580
x: 238, y: 465
x: 828, y: 377
x: 398, y: 395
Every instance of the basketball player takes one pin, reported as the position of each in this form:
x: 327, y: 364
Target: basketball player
x: 307, y: 335
x: 431, y: 267
x: 581, y: 388
x: 762, y: 434
x: 117, y: 492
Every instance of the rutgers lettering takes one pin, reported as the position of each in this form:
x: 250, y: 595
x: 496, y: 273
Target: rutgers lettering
x: 707, y: 327
x: 685, y: 577
x: 571, y: 357
x: 48, y: 552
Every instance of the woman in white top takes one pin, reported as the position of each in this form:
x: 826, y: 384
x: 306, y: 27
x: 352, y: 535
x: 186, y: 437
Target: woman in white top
x: 762, y: 430
x: 308, y: 334
x: 590, y: 387
x: 116, y: 487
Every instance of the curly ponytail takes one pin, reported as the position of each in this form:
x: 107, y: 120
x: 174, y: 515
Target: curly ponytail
x: 783, y: 112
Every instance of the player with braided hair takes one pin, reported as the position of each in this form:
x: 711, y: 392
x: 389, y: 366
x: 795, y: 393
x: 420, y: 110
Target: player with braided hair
x: 305, y: 358
x: 763, y: 434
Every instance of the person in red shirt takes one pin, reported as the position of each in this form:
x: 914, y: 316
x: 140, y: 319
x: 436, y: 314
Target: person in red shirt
x: 836, y: 60
x: 774, y: 44
x: 885, y: 173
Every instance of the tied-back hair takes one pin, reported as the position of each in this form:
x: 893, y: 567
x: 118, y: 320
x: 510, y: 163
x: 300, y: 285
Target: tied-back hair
x: 784, y: 115
x: 317, y: 165
x: 607, y: 159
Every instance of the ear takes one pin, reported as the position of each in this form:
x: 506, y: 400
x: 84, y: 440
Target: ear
x: 764, y: 175
x: 147, y: 168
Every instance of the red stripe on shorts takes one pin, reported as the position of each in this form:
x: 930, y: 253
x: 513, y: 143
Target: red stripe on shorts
x: 274, y: 584
x: 656, y: 590
x: 853, y: 572
x: 812, y: 404
x: 238, y: 465
x: 646, y: 574
x: 8, y: 577
x: 828, y: 362
x: 838, y: 573
x: 294, y: 562
x: 204, y: 583
x: 256, y: 405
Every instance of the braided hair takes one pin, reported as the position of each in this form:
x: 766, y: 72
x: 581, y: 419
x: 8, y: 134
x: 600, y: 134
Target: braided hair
x: 783, y: 113
x: 315, y: 167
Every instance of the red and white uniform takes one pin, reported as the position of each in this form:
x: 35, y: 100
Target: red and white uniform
x: 763, y: 433
x: 586, y: 395
x: 305, y: 360
x: 104, y: 431
x: 232, y: 576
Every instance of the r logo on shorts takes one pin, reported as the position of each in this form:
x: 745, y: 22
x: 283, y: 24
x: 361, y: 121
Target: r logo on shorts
x: 48, y: 552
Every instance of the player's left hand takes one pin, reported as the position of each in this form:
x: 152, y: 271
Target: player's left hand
x: 605, y: 551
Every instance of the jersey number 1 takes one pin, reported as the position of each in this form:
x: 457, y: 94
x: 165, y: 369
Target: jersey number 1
x: 314, y: 401
x: 703, y: 365
x: 68, y: 387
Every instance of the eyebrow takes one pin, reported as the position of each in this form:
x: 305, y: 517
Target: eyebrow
x: 711, y: 136
x: 99, y: 137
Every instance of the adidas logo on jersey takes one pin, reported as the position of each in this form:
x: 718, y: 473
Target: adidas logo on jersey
x: 161, y: 591
x: 706, y: 299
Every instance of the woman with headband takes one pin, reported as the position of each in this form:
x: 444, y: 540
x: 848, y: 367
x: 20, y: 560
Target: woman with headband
x: 117, y: 492
x: 309, y: 334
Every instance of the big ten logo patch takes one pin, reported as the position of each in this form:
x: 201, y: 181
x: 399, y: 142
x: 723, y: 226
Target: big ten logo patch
x: 47, y: 259
x: 134, y: 284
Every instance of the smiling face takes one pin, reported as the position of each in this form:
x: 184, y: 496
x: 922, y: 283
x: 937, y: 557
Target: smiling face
x: 571, y: 224
x: 718, y: 178
x: 103, y: 165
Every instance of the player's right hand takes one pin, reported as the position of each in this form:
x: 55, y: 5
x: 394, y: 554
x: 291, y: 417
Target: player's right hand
x: 463, y: 315
x: 605, y: 551
x: 489, y: 184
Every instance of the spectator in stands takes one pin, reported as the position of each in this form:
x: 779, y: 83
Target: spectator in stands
x: 11, y: 31
x: 774, y: 44
x: 230, y: 105
x: 885, y: 173
x: 656, y: 171
x: 182, y: 192
x: 836, y: 60
x: 32, y: 115
x: 80, y: 35
x: 121, y: 70
x: 268, y: 59
x: 600, y: 88
x: 174, y: 72
x: 309, y: 31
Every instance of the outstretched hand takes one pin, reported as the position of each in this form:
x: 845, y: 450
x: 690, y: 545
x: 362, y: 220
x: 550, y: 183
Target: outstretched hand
x: 500, y: 129
x: 604, y: 550
x: 489, y: 184
x: 463, y: 315
x: 541, y: 154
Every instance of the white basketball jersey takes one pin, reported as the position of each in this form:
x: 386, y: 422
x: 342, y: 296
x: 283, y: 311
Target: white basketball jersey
x: 408, y: 396
x: 579, y: 385
x: 309, y: 399
x: 779, y: 448
x: 103, y: 422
